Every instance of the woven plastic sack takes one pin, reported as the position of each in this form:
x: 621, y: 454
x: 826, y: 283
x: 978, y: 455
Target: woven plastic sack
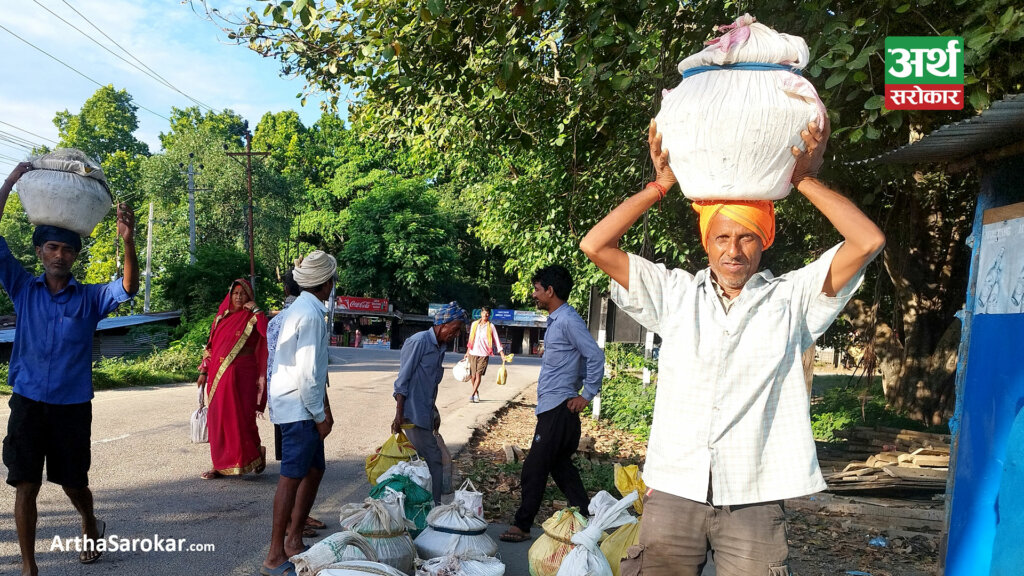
x: 586, y: 559
x: 324, y: 558
x: 602, y: 502
x: 628, y: 479
x: 615, y: 546
x: 417, y: 501
x: 546, y: 554
x: 729, y: 131
x: 470, y: 498
x: 454, y: 530
x: 65, y: 189
x: 462, y: 566
x: 395, y: 449
x: 461, y: 370
x: 415, y: 469
x: 382, y: 522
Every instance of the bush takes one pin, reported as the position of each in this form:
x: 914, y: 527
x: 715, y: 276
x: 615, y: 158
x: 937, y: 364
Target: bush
x: 198, y: 289
x: 628, y: 404
x: 839, y: 408
x: 627, y: 357
x: 179, y: 364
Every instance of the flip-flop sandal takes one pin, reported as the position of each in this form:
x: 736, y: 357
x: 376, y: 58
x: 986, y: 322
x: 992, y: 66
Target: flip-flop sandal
x: 285, y: 569
x: 309, y: 532
x: 514, y: 537
x: 210, y: 475
x: 83, y: 556
x: 314, y: 523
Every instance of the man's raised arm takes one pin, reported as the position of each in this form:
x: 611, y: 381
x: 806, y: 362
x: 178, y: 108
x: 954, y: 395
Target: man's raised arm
x: 863, y: 240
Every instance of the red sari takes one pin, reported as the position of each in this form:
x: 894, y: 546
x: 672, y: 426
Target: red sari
x: 235, y: 357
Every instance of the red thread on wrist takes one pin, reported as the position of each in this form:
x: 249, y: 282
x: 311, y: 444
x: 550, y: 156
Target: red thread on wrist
x: 662, y: 191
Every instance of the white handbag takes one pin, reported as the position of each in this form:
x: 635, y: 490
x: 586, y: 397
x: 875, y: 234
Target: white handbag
x: 461, y: 370
x: 198, y: 421
x: 470, y: 499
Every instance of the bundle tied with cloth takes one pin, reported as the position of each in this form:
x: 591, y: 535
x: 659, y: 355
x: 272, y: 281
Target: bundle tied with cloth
x: 65, y: 195
x: 730, y: 123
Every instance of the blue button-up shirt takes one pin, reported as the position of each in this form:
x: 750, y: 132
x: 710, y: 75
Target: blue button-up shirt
x: 52, y: 357
x: 570, y: 355
x: 418, y: 376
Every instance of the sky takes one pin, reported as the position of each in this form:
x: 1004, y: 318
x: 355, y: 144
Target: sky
x: 190, y: 52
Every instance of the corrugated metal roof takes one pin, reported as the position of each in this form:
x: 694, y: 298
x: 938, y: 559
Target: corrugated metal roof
x: 7, y: 335
x: 1001, y: 125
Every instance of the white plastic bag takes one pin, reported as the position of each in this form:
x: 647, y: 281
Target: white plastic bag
x: 461, y: 370
x: 586, y: 559
x: 729, y: 132
x: 198, y: 422
x: 453, y: 530
x: 470, y: 499
x: 462, y: 566
x: 415, y: 469
x: 65, y: 189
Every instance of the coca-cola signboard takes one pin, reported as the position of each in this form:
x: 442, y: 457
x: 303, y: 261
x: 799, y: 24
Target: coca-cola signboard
x: 357, y: 304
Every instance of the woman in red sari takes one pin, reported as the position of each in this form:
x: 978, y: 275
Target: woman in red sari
x: 234, y: 373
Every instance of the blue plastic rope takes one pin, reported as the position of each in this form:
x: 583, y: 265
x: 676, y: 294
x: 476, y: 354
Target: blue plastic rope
x: 742, y: 66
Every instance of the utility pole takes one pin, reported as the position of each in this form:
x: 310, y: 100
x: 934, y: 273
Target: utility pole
x: 248, y: 173
x: 149, y: 256
x: 191, y: 173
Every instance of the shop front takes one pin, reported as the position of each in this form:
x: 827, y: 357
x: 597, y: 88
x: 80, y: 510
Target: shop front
x: 363, y: 322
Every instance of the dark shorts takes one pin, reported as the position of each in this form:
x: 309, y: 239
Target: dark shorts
x: 57, y: 434
x: 478, y: 364
x: 301, y: 449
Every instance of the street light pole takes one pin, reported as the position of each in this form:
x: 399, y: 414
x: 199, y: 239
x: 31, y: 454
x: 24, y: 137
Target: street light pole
x: 248, y: 172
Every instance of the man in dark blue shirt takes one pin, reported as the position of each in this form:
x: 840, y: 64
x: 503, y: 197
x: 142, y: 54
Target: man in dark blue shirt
x: 51, y: 371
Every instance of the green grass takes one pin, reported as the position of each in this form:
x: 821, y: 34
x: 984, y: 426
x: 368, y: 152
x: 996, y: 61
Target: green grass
x: 840, y: 403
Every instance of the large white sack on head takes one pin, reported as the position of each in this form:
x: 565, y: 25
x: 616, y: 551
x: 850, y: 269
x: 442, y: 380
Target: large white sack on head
x: 729, y: 132
x: 66, y: 188
x: 453, y: 529
x: 462, y: 566
x: 586, y: 559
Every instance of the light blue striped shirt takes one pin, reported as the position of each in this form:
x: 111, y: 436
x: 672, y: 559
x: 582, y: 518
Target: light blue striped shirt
x: 571, y: 359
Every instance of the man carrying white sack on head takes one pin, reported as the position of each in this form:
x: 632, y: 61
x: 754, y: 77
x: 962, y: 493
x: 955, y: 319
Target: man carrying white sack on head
x: 731, y: 437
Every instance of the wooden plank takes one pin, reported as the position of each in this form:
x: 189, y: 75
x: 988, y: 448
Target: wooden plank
x: 932, y: 451
x: 932, y: 461
x: 1008, y: 212
x: 917, y: 474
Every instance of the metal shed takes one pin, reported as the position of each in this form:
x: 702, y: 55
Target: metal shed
x: 985, y: 491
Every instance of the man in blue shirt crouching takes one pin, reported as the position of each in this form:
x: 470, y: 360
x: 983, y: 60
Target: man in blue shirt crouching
x: 51, y: 371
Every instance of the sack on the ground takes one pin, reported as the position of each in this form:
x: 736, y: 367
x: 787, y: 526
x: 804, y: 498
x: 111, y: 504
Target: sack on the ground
x: 586, y: 559
x: 417, y: 502
x: 382, y: 522
x: 65, y: 189
x: 395, y: 449
x: 461, y: 370
x: 546, y: 554
x: 729, y: 131
x: 628, y: 479
x: 602, y: 504
x: 198, y: 422
x: 415, y: 469
x: 615, y: 546
x: 470, y: 498
x: 323, y: 558
x: 454, y: 530
x: 462, y: 566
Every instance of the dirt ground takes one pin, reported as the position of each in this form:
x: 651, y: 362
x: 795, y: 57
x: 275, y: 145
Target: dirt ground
x: 823, y: 542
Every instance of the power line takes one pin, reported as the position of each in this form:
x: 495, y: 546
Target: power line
x: 75, y: 70
x: 13, y: 140
x: 147, y: 71
x: 27, y: 132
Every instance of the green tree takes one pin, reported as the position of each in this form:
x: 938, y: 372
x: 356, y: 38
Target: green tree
x: 397, y: 244
x: 537, y: 110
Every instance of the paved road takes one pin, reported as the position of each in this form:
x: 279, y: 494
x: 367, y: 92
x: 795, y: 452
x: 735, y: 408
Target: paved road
x: 145, y: 473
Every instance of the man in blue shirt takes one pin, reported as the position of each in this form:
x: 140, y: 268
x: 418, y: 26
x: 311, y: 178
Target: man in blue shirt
x: 419, y: 373
x: 51, y: 371
x: 570, y: 356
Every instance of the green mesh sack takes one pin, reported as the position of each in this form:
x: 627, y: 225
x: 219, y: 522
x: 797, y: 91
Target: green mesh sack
x: 418, y: 501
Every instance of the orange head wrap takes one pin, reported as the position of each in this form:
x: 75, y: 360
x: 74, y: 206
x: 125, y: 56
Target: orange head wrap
x: 756, y: 215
